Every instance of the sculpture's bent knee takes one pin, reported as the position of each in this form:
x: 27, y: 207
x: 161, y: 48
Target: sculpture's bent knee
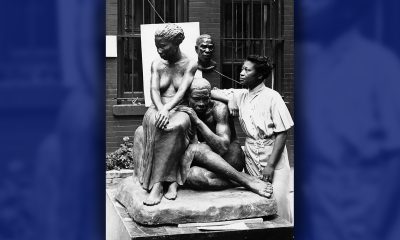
x: 179, y: 121
x: 138, y: 134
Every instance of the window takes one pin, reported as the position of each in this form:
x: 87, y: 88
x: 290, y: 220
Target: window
x: 133, y: 13
x: 250, y: 27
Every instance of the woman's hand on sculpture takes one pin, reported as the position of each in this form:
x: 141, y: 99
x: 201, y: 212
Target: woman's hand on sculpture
x: 192, y: 114
x: 162, y: 118
x: 268, y: 173
x: 233, y: 108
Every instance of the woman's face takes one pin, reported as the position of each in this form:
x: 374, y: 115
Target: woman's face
x: 166, y: 49
x: 249, y: 76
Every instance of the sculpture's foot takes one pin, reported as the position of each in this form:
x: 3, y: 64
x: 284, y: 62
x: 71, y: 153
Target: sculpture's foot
x: 155, y: 195
x: 260, y: 187
x: 172, y: 192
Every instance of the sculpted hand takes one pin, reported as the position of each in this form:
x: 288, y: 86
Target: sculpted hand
x: 268, y: 173
x: 162, y: 118
x: 233, y: 108
x: 192, y: 114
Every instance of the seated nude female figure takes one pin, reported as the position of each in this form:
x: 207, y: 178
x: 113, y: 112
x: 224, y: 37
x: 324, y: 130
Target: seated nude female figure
x: 162, y: 139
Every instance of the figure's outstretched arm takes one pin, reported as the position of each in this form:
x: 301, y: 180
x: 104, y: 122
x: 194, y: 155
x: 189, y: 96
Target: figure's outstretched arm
x: 228, y: 99
x: 219, y: 95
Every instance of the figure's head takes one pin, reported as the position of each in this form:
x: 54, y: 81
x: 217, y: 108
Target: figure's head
x: 199, y: 95
x: 255, y: 70
x: 204, y: 47
x: 167, y: 40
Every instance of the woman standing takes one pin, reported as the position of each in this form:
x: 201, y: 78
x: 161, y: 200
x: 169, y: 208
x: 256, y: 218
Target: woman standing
x: 265, y: 120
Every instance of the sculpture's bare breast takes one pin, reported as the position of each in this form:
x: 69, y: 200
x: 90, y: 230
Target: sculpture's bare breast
x: 171, y: 76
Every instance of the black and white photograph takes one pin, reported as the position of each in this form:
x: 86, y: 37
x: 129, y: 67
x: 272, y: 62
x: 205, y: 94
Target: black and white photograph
x: 199, y: 119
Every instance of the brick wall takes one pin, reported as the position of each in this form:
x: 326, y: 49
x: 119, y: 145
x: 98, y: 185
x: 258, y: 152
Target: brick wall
x: 111, y: 76
x: 111, y: 17
x: 208, y: 14
x: 116, y: 127
x: 288, y: 68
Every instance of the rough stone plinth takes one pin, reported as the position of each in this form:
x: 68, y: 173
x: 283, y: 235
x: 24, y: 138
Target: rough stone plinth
x: 193, y: 206
x: 113, y: 177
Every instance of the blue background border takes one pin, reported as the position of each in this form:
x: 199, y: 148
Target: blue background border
x: 347, y: 118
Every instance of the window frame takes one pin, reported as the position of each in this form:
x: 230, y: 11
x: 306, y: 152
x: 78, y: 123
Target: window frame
x: 271, y: 38
x: 127, y: 32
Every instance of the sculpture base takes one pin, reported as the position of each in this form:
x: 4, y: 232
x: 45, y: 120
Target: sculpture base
x: 193, y: 206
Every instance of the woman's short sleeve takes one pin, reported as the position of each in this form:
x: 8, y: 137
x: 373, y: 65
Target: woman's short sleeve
x: 280, y: 114
x: 236, y: 94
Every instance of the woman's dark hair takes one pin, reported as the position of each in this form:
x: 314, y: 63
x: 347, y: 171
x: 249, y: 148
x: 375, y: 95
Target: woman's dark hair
x: 262, y: 64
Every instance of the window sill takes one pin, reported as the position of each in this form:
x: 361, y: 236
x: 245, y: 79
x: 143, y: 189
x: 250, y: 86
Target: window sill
x: 129, y: 110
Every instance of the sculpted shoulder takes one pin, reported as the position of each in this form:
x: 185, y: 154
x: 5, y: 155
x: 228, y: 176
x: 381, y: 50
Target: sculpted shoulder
x: 190, y: 63
x: 193, y: 65
x: 220, y: 110
x: 158, y: 64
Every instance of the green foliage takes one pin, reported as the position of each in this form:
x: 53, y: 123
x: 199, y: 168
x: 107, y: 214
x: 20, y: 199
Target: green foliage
x: 122, y: 158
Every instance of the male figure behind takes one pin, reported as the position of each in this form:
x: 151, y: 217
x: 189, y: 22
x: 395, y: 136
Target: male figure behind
x: 205, y: 52
x: 216, y: 158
